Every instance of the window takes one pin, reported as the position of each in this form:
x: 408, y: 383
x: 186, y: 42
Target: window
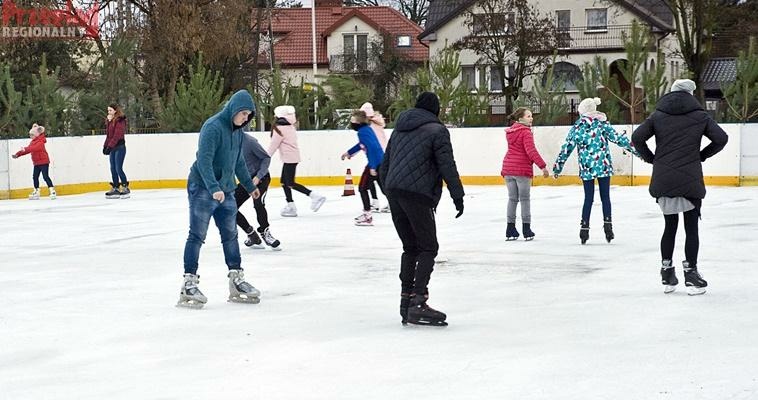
x: 404, y: 41
x: 563, y: 20
x: 468, y: 76
x: 566, y: 74
x: 496, y: 82
x: 483, y: 77
x: 597, y: 19
x: 493, y: 24
x: 355, y: 50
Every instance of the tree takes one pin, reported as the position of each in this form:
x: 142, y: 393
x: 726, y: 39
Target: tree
x: 345, y: 93
x: 654, y: 82
x: 594, y: 84
x: 415, y: 10
x: 504, y: 32
x: 742, y: 94
x: 10, y: 103
x: 551, y: 96
x: 194, y: 101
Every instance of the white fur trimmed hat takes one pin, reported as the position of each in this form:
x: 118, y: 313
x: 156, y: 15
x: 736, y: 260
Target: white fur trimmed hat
x: 588, y: 105
x: 283, y: 111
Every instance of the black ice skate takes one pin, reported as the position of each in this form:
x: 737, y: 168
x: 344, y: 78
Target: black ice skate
x: 241, y: 291
x: 419, y: 313
x: 190, y: 295
x: 584, y: 231
x: 124, y: 192
x: 253, y: 240
x: 270, y: 240
x: 114, y: 193
x: 510, y: 232
x: 405, y: 302
x: 693, y: 280
x: 668, y: 276
x: 528, y: 234
x: 608, y: 228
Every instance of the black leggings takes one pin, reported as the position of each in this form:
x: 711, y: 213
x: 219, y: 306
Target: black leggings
x: 692, y: 241
x: 366, y: 183
x: 288, y: 182
x: 44, y: 170
x: 241, y: 195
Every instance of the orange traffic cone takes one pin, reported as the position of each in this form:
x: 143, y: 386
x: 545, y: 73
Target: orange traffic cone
x: 349, y: 189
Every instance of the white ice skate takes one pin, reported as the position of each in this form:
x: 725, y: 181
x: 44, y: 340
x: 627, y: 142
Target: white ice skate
x: 364, y: 219
x: 190, y: 295
x: 241, y: 291
x: 34, y: 195
x: 385, y: 210
x: 271, y: 241
x: 289, y: 210
x: 375, y: 206
x: 317, y: 201
x: 53, y: 195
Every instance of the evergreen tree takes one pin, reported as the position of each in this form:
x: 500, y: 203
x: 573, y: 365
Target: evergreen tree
x: 654, y: 82
x: 11, y: 104
x: 551, y: 97
x: 194, y: 101
x: 742, y: 94
x: 43, y: 103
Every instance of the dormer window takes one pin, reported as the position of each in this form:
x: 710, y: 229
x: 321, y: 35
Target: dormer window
x: 403, y: 41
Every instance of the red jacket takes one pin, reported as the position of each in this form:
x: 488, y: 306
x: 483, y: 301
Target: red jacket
x: 37, y: 148
x: 114, y: 132
x: 521, y: 152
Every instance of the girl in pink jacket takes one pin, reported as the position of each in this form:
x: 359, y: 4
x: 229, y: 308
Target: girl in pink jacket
x: 517, y: 171
x: 284, y: 139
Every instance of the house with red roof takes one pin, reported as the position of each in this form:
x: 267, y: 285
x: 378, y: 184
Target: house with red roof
x: 345, y: 37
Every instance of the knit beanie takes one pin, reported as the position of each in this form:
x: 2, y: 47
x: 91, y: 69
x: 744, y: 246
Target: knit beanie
x: 429, y: 102
x: 683, y: 85
x: 368, y: 108
x: 588, y: 105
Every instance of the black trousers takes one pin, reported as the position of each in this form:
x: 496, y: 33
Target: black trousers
x: 691, y: 242
x: 364, y: 186
x: 415, y: 225
x: 44, y: 168
x: 288, y: 182
x: 241, y: 195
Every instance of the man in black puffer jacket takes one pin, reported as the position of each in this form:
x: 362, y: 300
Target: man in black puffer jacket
x: 418, y: 158
x: 678, y: 124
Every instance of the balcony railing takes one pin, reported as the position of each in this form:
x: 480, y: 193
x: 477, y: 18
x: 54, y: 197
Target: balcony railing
x: 593, y: 38
x: 351, y: 64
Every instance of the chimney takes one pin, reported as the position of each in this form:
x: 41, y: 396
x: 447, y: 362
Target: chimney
x: 328, y: 3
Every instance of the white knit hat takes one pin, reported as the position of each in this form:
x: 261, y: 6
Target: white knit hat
x: 284, y: 111
x: 368, y: 108
x: 683, y: 85
x: 588, y: 105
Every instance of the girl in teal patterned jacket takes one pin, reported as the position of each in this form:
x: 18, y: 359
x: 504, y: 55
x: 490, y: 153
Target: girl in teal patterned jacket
x: 590, y: 135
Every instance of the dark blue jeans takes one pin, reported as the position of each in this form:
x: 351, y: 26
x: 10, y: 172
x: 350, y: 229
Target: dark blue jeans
x: 202, y: 207
x: 117, y: 165
x: 589, y: 196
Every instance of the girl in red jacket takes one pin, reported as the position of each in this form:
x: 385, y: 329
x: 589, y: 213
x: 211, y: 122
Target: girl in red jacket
x: 115, y: 148
x: 40, y: 160
x: 517, y: 171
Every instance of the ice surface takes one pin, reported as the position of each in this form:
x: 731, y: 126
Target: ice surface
x: 89, y: 287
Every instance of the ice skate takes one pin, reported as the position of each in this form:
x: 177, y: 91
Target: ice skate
x: 364, y: 219
x: 375, y: 206
x: 53, y: 195
x: 668, y: 276
x: 34, y: 195
x: 405, y: 302
x: 190, y: 295
x: 289, y: 210
x: 317, y: 201
x: 253, y: 240
x: 528, y: 234
x: 584, y: 232
x: 419, y: 313
x: 510, y: 232
x: 270, y: 240
x: 693, y: 280
x: 608, y: 228
x: 241, y: 291
x: 114, y: 193
x: 385, y: 210
x: 125, y: 193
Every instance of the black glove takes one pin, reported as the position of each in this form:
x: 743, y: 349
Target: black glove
x: 106, y: 150
x: 458, y: 206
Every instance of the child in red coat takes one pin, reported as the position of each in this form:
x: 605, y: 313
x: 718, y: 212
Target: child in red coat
x: 40, y: 160
x: 517, y: 171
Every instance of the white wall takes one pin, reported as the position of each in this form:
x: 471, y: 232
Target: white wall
x: 478, y: 152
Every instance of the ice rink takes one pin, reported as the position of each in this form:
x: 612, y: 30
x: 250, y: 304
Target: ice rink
x: 88, y: 289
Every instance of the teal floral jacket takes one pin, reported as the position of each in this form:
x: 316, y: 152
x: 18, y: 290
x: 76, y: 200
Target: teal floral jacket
x: 590, y: 135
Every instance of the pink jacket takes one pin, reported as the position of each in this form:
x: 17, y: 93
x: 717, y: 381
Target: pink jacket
x: 286, y: 143
x: 377, y: 124
x: 521, y: 152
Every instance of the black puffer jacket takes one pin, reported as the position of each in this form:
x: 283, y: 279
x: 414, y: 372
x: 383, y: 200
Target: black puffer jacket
x: 678, y: 124
x: 418, y: 158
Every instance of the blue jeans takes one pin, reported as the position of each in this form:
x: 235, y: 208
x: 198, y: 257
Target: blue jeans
x: 589, y: 196
x: 117, y: 165
x: 202, y: 207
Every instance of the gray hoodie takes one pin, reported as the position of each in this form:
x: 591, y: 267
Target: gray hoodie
x: 256, y: 157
